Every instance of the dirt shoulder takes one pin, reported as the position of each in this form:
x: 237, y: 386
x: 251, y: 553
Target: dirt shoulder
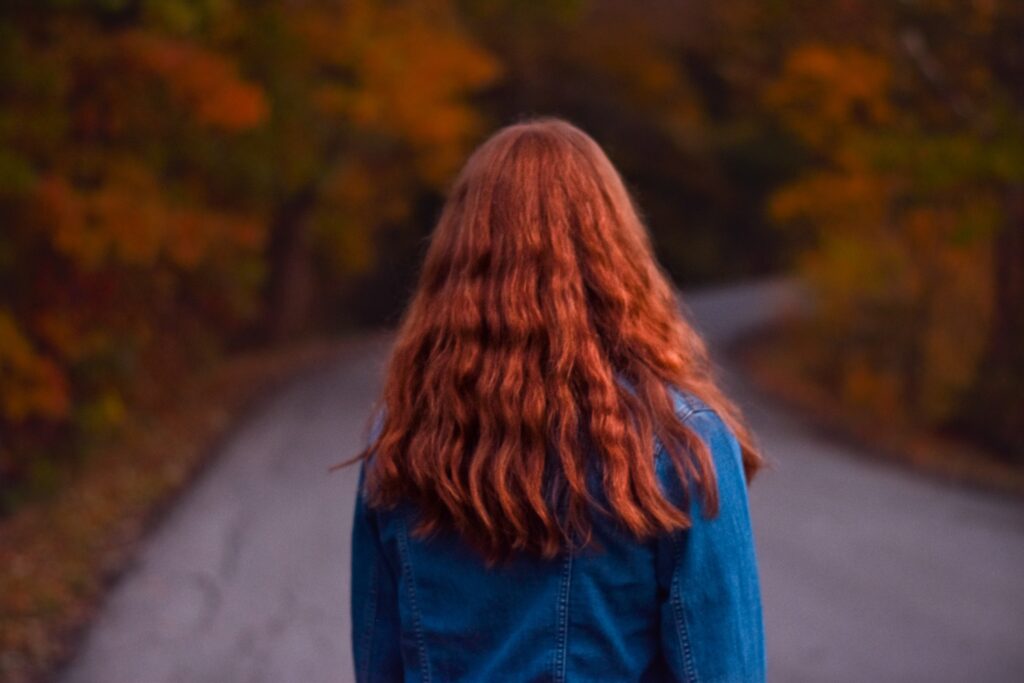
x: 58, y: 556
x: 762, y: 358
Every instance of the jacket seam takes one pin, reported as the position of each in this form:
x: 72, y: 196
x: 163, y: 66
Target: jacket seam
x: 369, y: 623
x: 563, y: 620
x: 682, y: 417
x: 697, y: 411
x: 421, y: 646
x: 689, y: 663
x: 682, y: 632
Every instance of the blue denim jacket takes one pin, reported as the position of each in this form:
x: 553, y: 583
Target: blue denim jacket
x: 684, y: 607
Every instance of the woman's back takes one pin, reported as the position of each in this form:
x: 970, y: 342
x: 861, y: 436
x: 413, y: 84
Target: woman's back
x: 680, y: 606
x: 522, y: 511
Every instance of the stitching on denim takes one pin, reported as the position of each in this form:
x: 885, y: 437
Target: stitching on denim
x: 403, y: 544
x: 682, y: 632
x: 369, y: 623
x: 563, y: 620
x: 699, y: 411
x: 687, y: 404
x: 660, y: 447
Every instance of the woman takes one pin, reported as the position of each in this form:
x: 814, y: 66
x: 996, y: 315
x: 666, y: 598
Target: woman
x: 554, y: 488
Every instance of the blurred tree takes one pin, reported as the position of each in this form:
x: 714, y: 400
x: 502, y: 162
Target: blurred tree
x: 115, y: 238
x: 651, y: 82
x: 369, y: 113
x: 913, y: 206
x: 169, y: 171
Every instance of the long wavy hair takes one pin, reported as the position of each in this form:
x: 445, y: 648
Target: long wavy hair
x: 539, y: 348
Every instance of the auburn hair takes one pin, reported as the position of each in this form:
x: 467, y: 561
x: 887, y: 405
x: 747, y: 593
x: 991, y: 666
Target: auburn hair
x: 539, y: 347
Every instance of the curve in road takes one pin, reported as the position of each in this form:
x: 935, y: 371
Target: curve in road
x: 869, y: 573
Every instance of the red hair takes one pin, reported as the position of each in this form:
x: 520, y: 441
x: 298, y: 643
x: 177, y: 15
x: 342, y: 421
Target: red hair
x: 538, y: 294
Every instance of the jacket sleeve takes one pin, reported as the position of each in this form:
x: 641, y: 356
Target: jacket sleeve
x: 712, y: 627
x: 374, y: 599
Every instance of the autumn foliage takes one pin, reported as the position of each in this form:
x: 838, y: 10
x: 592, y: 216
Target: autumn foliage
x: 913, y: 117
x: 166, y: 166
x: 178, y: 178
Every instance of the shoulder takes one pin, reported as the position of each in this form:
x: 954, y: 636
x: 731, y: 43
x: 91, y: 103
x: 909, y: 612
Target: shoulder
x: 693, y: 412
x: 372, y: 429
x: 723, y: 447
x: 376, y: 421
x: 687, y: 403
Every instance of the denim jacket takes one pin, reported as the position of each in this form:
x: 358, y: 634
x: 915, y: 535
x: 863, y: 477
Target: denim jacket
x: 682, y: 607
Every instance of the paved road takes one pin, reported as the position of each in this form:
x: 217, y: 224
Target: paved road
x: 868, y: 572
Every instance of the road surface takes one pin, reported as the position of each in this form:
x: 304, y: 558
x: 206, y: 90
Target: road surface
x: 869, y: 573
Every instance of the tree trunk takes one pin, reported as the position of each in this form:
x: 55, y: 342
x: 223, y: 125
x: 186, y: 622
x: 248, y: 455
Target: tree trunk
x: 288, y: 294
x: 993, y: 410
x: 1007, y: 341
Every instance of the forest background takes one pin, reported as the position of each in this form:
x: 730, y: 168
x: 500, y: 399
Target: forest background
x: 180, y: 179
x: 185, y: 181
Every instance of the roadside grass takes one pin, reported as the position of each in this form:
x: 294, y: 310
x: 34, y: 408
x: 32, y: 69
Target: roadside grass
x: 60, y: 554
x: 767, y: 358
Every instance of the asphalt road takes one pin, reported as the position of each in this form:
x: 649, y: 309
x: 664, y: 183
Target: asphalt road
x: 869, y: 573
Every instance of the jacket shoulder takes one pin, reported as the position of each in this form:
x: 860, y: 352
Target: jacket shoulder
x: 707, y: 424
x: 686, y: 402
